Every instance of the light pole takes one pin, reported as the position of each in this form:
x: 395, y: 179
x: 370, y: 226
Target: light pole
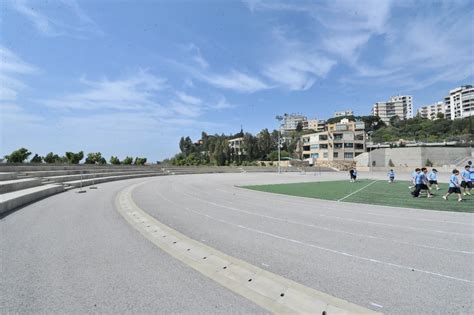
x: 279, y: 118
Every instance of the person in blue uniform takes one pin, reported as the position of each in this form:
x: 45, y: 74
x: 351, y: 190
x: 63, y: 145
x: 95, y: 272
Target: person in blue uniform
x: 466, y: 182
x: 433, y: 178
x: 421, y: 181
x: 391, y: 176
x: 454, y: 186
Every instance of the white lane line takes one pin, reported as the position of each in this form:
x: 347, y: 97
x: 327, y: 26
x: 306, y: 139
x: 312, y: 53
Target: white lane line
x: 338, y: 231
x: 372, y: 260
x: 310, y: 203
x: 376, y: 305
x: 340, y: 218
x: 358, y: 190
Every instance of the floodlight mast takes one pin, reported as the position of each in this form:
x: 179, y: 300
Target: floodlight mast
x: 279, y: 118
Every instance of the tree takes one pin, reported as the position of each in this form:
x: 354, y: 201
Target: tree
x: 74, y: 158
x: 95, y: 158
x: 52, y: 158
x: 128, y: 160
x: 36, y: 159
x: 265, y: 144
x: 139, y: 161
x: 250, y: 147
x: 18, y: 156
x: 186, y: 146
x: 114, y: 160
x: 299, y: 126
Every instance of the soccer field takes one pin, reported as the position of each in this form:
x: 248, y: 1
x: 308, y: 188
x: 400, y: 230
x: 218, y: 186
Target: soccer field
x: 375, y: 192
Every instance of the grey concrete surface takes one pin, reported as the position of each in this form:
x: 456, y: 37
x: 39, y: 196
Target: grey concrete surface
x: 17, y: 184
x: 74, y: 253
x: 12, y: 200
x: 394, y: 260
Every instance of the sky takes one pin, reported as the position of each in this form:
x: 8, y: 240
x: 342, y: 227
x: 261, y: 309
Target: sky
x: 129, y: 78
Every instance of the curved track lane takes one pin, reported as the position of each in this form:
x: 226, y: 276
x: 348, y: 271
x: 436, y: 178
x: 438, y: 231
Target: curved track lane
x: 393, y: 260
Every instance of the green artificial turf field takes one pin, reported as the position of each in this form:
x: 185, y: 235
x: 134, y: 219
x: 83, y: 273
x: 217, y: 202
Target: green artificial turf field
x: 378, y: 192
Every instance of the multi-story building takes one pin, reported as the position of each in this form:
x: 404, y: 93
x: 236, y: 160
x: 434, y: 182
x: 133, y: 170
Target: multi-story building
x: 348, y: 112
x: 235, y: 144
x: 432, y: 111
x: 290, y: 122
x: 315, y: 124
x: 399, y: 105
x: 341, y: 141
x: 460, y: 102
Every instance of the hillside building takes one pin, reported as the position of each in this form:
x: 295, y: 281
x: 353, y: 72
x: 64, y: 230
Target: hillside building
x: 399, y: 105
x: 432, y: 111
x: 460, y: 102
x: 341, y: 141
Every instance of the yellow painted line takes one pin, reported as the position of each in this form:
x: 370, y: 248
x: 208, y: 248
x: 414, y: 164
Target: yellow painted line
x: 268, y: 290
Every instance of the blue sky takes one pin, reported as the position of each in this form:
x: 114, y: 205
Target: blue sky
x: 132, y: 77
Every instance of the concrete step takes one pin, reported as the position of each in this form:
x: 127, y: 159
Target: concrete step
x: 15, y: 199
x: 91, y: 181
x: 8, y: 176
x: 7, y: 186
x: 68, y: 172
x: 68, y: 178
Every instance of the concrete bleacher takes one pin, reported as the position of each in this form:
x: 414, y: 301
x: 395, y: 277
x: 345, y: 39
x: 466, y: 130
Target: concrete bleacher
x: 27, y: 183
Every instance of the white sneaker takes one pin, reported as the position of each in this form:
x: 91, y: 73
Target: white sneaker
x: 430, y: 196
x: 438, y: 188
x: 459, y: 200
x: 445, y: 198
x: 468, y: 193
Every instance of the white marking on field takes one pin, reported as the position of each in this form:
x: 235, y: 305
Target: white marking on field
x: 358, y: 190
x: 372, y: 260
x: 336, y: 230
x: 376, y: 305
x: 301, y: 201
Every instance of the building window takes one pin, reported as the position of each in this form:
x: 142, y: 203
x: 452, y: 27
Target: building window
x: 315, y: 155
x: 325, y: 155
x: 348, y: 145
x: 336, y: 154
x: 337, y: 145
x: 359, y: 146
x: 314, y: 146
x: 323, y: 137
x: 323, y: 146
x: 338, y: 136
x: 348, y: 155
x: 359, y: 137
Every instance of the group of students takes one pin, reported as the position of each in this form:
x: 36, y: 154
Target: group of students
x: 422, y: 180
x: 427, y: 181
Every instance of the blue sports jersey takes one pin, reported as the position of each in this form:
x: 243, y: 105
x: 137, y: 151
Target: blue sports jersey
x: 391, y: 174
x: 420, y: 178
x: 472, y: 176
x: 453, y: 181
x: 466, y: 175
x: 432, y: 176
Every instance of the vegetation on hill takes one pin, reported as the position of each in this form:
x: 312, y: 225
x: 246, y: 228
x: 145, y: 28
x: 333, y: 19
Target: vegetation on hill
x: 215, y: 149
x: 425, y: 130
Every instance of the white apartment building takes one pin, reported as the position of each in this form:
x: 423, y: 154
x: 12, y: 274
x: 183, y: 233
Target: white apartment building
x: 399, y: 105
x: 431, y: 111
x: 290, y: 122
x: 236, y: 145
x: 348, y: 112
x: 460, y: 102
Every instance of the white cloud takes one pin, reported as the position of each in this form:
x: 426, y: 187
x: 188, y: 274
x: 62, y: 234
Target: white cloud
x: 137, y: 91
x: 73, y: 21
x: 297, y: 65
x: 189, y: 99
x: 235, y: 80
x: 11, y: 67
x: 298, y: 72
